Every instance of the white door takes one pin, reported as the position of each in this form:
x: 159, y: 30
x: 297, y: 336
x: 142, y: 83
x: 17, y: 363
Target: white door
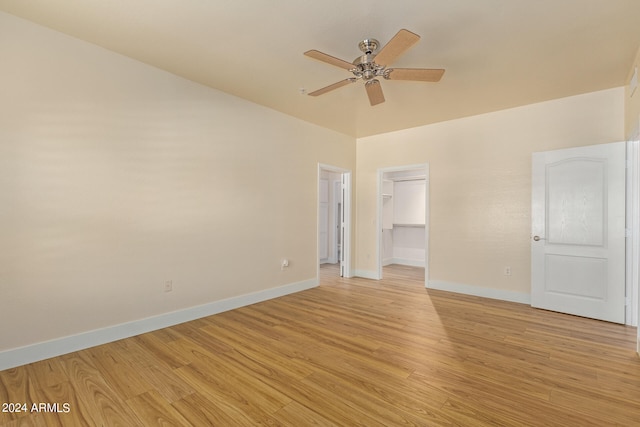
x: 323, y: 232
x: 337, y: 222
x: 578, y: 231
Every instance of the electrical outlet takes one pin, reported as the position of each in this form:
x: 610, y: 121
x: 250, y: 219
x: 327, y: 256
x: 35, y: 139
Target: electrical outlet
x: 285, y: 264
x: 507, y: 271
x: 168, y: 286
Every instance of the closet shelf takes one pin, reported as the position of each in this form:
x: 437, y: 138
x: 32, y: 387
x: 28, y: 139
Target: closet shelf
x: 409, y: 225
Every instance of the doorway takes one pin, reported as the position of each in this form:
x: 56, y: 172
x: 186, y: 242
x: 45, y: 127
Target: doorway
x: 403, y: 217
x: 334, y: 221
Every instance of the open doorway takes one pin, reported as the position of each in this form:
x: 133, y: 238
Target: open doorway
x: 334, y: 221
x: 403, y: 218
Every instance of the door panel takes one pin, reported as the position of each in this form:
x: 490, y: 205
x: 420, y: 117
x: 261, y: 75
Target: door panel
x: 573, y: 276
x: 578, y: 244
x: 576, y: 202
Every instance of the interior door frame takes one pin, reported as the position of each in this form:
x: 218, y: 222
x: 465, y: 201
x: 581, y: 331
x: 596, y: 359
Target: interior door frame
x: 379, y: 237
x: 345, y: 253
x: 633, y: 230
x: 632, y: 317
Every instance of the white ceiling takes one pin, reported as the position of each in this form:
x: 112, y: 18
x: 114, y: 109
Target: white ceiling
x: 497, y: 53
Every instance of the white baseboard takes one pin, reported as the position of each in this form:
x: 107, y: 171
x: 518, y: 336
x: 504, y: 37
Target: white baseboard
x: 45, y: 350
x: 407, y: 261
x: 520, y: 297
x: 367, y: 274
x: 387, y: 261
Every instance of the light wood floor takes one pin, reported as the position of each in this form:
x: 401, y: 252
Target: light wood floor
x: 351, y: 352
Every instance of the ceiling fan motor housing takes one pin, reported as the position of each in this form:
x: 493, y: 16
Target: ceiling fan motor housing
x: 366, y: 68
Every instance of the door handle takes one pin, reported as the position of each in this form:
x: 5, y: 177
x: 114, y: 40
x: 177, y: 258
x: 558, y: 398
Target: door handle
x: 538, y: 238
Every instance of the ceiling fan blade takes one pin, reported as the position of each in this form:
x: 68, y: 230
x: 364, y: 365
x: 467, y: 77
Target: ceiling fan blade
x: 316, y: 54
x: 374, y: 91
x: 398, y: 45
x: 332, y: 87
x: 418, y: 74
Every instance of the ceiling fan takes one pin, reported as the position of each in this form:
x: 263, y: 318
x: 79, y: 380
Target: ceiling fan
x: 373, y: 63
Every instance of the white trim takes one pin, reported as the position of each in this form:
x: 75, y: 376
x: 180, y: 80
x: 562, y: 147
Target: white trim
x: 366, y: 274
x: 479, y: 291
x: 633, y: 225
x: 405, y: 261
x: 634, y: 257
x: 44, y: 350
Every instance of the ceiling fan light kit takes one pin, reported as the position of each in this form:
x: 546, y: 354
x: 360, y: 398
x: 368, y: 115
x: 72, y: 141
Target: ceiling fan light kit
x: 373, y: 64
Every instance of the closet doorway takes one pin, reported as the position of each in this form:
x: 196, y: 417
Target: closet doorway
x: 403, y: 217
x: 334, y: 221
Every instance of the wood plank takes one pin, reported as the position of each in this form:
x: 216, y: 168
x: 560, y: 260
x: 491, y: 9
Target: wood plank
x: 17, y: 389
x: 273, y: 354
x: 96, y: 400
x: 64, y: 393
x: 160, y: 349
x: 152, y: 371
x: 295, y: 414
x: 238, y: 382
x: 384, y: 409
x: 153, y: 410
x: 228, y: 397
x: 46, y: 373
x: 200, y: 410
x: 592, y: 404
x: 30, y: 421
x: 118, y: 372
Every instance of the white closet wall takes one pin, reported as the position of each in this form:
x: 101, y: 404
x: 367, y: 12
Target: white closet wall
x: 409, y: 202
x: 409, y: 222
x: 387, y: 222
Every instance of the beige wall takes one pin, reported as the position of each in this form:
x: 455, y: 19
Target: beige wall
x: 632, y: 103
x: 480, y: 183
x: 116, y: 176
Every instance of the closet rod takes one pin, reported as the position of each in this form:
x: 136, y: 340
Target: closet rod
x: 409, y: 178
